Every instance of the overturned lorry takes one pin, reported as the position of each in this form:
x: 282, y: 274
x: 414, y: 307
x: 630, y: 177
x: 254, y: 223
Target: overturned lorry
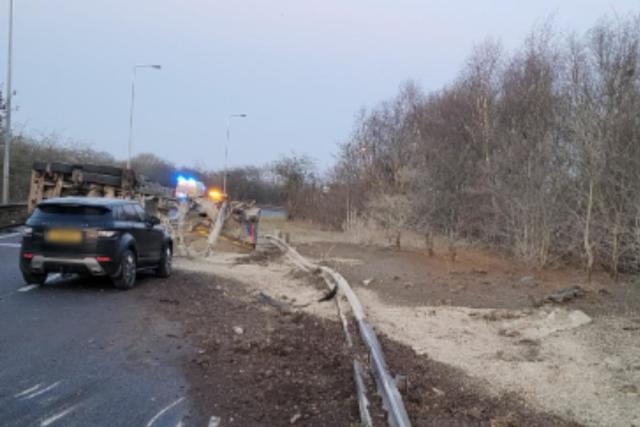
x: 197, y: 222
x: 56, y: 179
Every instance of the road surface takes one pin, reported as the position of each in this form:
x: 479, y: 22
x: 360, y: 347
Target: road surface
x: 79, y: 353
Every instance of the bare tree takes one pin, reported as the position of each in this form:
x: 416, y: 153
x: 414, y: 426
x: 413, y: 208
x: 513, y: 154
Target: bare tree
x: 538, y: 153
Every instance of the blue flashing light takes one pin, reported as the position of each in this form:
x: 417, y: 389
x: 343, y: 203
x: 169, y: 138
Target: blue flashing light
x: 186, y: 179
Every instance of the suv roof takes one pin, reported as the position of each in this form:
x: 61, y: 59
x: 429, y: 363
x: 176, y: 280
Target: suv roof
x: 86, y: 201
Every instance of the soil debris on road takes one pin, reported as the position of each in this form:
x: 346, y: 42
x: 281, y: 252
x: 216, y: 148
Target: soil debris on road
x: 290, y: 364
x: 276, y: 364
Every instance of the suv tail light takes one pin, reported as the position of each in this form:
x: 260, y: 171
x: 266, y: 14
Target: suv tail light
x: 103, y: 259
x: 27, y: 255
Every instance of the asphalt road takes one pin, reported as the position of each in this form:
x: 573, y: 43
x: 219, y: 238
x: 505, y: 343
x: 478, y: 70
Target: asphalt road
x: 80, y: 353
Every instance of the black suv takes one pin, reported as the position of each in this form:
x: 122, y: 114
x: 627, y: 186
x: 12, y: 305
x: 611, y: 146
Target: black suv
x: 94, y: 236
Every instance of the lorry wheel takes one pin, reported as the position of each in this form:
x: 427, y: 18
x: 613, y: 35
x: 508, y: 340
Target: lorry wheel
x: 126, y: 277
x: 34, y: 278
x: 164, y: 267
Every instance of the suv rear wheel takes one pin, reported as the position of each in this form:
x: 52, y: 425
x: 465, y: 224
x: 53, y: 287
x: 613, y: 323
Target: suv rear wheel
x: 164, y: 267
x: 126, y: 277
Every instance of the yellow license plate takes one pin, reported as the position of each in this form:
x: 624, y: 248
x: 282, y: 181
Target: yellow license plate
x: 64, y: 236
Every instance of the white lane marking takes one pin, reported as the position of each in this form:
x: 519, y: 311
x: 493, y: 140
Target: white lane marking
x: 179, y: 424
x: 214, y: 421
x: 27, y: 288
x: 44, y: 390
x: 165, y: 409
x: 29, y: 390
x: 10, y: 245
x: 52, y: 419
x: 10, y: 235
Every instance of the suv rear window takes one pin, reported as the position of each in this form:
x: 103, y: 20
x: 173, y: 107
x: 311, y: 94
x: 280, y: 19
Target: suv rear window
x: 70, y: 210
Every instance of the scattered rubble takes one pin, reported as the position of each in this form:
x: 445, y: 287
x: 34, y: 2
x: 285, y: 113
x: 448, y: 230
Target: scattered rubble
x: 266, y: 299
x: 566, y: 294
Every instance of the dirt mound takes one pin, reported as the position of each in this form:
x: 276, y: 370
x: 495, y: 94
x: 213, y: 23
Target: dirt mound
x: 256, y: 366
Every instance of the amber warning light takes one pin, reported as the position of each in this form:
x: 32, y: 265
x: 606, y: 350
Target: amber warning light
x: 216, y: 195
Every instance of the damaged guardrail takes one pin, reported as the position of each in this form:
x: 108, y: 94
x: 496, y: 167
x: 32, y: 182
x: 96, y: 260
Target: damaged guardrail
x: 387, y: 388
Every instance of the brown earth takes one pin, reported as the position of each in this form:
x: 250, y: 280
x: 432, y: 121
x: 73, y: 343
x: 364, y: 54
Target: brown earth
x: 476, y: 279
x: 292, y: 368
x: 281, y: 365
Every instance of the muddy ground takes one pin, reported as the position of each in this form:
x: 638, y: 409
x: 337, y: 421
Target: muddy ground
x: 288, y: 367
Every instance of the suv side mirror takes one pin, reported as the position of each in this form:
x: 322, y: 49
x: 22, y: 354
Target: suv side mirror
x: 154, y: 220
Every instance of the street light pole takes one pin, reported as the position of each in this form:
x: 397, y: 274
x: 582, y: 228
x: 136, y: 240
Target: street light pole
x: 133, y: 100
x: 226, y: 150
x: 7, y: 106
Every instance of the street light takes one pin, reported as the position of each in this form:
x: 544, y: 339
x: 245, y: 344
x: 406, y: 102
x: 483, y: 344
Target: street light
x: 133, y: 99
x: 7, y: 107
x: 226, y: 148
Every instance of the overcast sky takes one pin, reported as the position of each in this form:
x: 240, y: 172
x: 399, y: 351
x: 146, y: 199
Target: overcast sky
x: 300, y: 69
